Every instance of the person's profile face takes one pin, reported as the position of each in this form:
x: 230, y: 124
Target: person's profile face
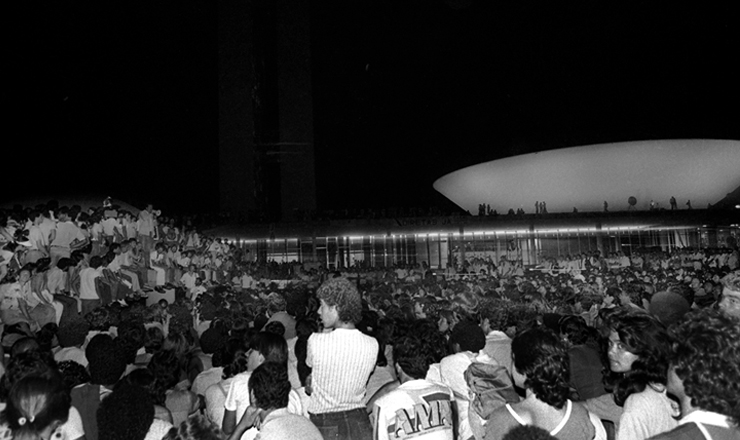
x: 730, y: 302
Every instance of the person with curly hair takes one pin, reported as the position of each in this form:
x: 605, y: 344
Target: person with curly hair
x: 542, y: 368
x: 638, y: 350
x: 268, y: 410
x: 704, y: 375
x: 341, y: 359
x: 73, y: 374
x: 730, y: 299
x: 128, y: 414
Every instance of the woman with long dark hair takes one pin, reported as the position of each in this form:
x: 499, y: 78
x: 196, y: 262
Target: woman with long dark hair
x: 638, y: 352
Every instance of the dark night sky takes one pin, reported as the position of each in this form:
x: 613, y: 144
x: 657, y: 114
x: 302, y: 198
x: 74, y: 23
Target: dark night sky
x: 404, y: 91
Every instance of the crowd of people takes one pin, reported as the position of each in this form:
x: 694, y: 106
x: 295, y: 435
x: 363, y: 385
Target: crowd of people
x: 592, y: 346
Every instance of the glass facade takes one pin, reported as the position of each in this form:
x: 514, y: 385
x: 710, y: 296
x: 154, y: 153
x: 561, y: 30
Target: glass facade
x: 439, y: 249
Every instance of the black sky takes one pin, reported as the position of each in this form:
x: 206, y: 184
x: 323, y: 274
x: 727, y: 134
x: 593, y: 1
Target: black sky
x: 404, y: 91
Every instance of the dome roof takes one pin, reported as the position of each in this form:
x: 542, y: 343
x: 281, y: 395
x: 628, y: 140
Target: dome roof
x: 700, y: 170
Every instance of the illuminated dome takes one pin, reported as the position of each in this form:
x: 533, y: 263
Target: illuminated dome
x: 700, y: 170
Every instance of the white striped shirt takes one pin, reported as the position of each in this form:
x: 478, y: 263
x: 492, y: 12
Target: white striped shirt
x: 341, y: 362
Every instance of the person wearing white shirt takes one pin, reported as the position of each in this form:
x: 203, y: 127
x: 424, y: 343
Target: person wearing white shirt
x: 64, y: 237
x: 112, y: 229
x: 158, y: 264
x: 264, y: 347
x: 188, y: 278
x: 468, y: 342
x: 269, y: 410
x: 146, y: 230
x: 88, y: 291
x: 39, y: 243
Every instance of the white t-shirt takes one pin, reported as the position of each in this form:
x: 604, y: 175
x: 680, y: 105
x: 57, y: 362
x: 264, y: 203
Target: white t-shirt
x: 237, y: 400
x: 395, y: 414
x: 87, y: 283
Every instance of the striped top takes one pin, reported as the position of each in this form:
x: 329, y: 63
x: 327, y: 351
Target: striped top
x: 341, y: 362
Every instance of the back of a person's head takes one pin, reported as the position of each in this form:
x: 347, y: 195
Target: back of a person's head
x: 342, y: 293
x: 469, y: 336
x: 34, y: 403
x: 706, y: 355
x: 105, y: 362
x: 96, y: 261
x: 540, y: 355
x: 26, y: 364
x: 73, y: 374
x: 73, y: 333
x: 98, y: 319
x: 410, y: 353
x: 126, y: 414
x: 180, y: 342
x: 305, y: 327
x: 212, y: 340
x: 574, y: 327
x: 273, y: 347
x: 276, y: 327
x: 195, y: 427
x: 669, y: 307
x: 24, y: 345
x: 131, y: 337
x: 270, y: 385
x: 165, y: 366
x: 227, y: 354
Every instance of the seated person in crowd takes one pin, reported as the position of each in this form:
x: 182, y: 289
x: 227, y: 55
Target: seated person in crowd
x: 269, y: 390
x: 541, y: 367
x: 396, y: 414
x: 128, y: 414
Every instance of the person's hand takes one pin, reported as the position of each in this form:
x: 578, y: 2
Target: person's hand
x: 250, y: 418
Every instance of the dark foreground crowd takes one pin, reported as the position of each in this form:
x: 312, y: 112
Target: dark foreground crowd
x: 167, y: 334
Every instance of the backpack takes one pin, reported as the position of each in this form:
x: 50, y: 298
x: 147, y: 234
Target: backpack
x: 490, y: 388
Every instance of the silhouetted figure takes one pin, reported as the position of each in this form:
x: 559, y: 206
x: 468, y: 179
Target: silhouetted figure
x: 674, y: 205
x: 688, y: 203
x: 606, y: 206
x: 537, y: 207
